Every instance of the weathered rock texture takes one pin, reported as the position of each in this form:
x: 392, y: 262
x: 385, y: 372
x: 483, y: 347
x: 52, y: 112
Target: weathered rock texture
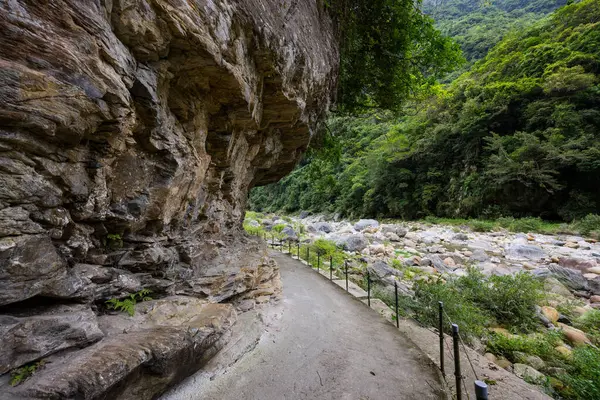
x: 130, y: 134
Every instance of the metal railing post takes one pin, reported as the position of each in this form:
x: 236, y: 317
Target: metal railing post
x: 368, y: 288
x: 396, y: 297
x: 298, y: 250
x: 481, y: 390
x: 290, y: 247
x: 441, y: 330
x: 346, y: 268
x: 330, y: 267
x: 318, y: 261
x: 457, y: 373
x: 308, y: 255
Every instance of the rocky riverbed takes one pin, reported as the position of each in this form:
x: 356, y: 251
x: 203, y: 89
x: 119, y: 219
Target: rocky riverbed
x: 571, y: 263
x: 405, y: 253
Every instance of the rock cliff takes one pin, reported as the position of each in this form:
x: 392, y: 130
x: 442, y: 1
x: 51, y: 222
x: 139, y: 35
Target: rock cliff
x: 130, y: 134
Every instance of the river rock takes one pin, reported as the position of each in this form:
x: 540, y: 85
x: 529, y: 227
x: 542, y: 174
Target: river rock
x: 320, y: 227
x: 522, y: 252
x: 356, y: 242
x: 573, y: 279
x: 528, y: 373
x: 553, y: 285
x: 581, y: 264
x: 479, y: 255
x: 289, y: 233
x: 366, y: 223
x: 574, y: 335
x: 550, y: 313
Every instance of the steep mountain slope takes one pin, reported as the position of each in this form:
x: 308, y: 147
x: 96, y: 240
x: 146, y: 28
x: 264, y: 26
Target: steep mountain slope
x: 514, y: 136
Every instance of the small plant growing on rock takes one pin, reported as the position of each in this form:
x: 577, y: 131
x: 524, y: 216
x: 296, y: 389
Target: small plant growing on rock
x: 128, y: 304
x: 114, y: 241
x: 19, y: 375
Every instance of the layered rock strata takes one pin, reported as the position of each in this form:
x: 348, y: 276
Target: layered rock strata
x: 130, y: 134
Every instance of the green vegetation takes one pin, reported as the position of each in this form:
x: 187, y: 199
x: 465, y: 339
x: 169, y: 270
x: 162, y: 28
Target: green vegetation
x: 389, y: 49
x: 513, y: 137
x: 475, y: 302
x: 478, y: 26
x: 114, y: 241
x: 583, y: 378
x: 128, y: 303
x: 19, y: 375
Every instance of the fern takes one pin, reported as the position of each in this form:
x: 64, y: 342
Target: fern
x: 128, y: 304
x: 19, y: 375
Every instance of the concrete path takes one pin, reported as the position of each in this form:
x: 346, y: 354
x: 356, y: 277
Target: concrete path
x: 325, y: 345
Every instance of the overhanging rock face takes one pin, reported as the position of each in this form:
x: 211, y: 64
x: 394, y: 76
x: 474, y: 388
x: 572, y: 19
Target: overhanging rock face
x: 131, y: 132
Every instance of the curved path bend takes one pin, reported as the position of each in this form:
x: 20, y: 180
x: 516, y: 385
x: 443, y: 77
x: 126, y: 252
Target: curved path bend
x: 324, y: 344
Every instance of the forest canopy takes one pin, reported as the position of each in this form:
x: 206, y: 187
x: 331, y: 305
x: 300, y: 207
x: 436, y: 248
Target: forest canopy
x: 516, y: 135
x: 389, y: 49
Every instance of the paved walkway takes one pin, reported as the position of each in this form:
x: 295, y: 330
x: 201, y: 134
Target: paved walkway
x: 325, y: 345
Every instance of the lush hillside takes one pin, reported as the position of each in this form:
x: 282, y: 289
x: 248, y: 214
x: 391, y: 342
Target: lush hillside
x: 478, y: 25
x: 516, y: 135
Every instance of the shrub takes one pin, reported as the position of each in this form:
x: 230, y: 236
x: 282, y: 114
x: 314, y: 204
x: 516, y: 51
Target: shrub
x: 588, y: 225
x: 526, y: 225
x: 481, y: 226
x: 278, y: 228
x: 511, y: 299
x: 590, y: 323
x: 459, y: 307
x: 583, y: 380
x: 541, y: 345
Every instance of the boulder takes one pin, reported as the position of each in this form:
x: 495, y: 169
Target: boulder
x: 564, y: 350
x: 320, y: 227
x: 504, y: 363
x: 395, y: 229
x: 528, y: 373
x: 460, y: 237
x: 553, y: 285
x: 381, y: 272
x: 550, y: 313
x: 580, y: 264
x: 574, y: 335
x: 289, y: 233
x: 490, y: 357
x: 573, y: 279
x: 366, y: 223
x: 479, y: 255
x: 141, y: 358
x: 531, y: 360
x: 449, y: 261
x: 392, y: 237
x: 253, y: 223
x: 522, y: 252
x: 480, y: 244
x: 40, y: 332
x: 387, y: 277
x: 439, y: 264
x: 356, y: 242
